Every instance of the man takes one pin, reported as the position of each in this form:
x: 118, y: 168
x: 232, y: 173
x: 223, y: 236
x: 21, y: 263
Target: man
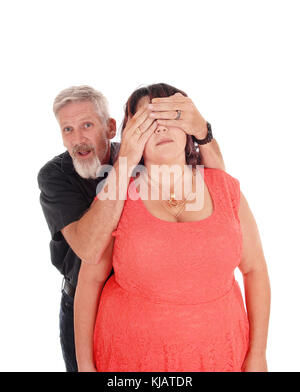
x: 80, y: 228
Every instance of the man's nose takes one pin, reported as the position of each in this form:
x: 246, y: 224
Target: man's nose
x: 160, y: 129
x: 79, y: 137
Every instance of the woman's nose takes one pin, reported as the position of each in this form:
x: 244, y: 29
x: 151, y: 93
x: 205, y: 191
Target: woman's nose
x: 161, y: 128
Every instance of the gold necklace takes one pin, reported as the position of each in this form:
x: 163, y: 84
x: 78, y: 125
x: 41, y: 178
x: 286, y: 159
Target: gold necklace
x: 173, y: 202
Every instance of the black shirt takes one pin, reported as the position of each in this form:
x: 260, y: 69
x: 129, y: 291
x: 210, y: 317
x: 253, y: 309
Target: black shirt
x: 65, y: 197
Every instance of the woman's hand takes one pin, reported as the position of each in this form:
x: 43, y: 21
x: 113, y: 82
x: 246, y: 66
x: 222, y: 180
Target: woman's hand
x: 133, y: 143
x: 165, y: 110
x: 255, y: 363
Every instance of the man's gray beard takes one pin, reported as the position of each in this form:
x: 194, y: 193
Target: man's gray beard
x: 89, y: 168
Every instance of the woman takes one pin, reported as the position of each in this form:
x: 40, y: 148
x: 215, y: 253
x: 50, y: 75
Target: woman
x: 173, y: 303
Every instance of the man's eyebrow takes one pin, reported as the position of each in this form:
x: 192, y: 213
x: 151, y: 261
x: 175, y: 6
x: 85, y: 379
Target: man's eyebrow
x: 83, y: 119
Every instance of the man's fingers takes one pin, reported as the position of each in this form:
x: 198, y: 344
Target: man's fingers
x: 145, y: 136
x: 172, y: 123
x: 146, y: 124
x: 139, y: 112
x: 173, y: 98
x: 164, y: 106
x: 136, y: 121
x: 170, y: 115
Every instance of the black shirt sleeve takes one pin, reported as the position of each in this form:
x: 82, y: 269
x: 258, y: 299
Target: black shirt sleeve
x: 61, y: 202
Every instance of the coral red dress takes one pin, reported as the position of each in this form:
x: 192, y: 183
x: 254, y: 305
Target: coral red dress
x: 173, y: 303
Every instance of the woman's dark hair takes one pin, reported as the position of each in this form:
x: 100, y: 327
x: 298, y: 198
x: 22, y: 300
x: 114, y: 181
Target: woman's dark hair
x: 160, y: 90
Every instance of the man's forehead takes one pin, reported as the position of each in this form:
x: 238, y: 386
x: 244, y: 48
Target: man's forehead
x: 69, y: 119
x: 78, y: 111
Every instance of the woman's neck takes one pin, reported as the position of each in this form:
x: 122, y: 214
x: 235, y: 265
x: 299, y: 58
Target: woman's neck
x: 167, y: 179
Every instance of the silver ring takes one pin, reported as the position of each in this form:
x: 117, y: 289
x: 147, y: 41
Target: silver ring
x: 178, y: 114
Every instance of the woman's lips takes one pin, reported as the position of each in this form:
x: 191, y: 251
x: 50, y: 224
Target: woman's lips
x: 166, y: 141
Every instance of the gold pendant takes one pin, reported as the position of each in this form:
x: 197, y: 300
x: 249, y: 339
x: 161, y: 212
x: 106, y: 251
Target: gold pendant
x: 172, y: 201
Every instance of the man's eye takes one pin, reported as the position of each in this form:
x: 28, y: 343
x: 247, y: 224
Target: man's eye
x: 88, y: 125
x: 67, y: 129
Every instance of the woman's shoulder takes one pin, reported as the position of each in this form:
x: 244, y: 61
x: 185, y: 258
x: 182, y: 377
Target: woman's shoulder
x: 220, y: 174
x: 225, y: 183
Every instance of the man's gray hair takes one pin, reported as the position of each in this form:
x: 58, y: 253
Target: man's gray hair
x: 80, y: 94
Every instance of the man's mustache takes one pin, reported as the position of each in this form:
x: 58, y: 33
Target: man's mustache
x: 82, y: 148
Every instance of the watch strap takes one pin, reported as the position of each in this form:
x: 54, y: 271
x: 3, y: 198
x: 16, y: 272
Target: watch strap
x: 208, y: 137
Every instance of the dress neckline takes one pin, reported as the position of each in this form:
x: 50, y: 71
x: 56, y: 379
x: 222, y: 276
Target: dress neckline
x: 209, y: 218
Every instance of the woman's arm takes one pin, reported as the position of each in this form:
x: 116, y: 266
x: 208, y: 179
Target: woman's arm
x: 91, y: 280
x: 257, y: 289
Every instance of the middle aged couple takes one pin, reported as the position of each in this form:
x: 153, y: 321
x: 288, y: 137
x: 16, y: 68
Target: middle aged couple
x: 151, y: 280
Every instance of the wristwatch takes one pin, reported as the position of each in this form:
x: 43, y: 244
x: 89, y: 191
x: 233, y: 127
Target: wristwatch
x: 208, y: 137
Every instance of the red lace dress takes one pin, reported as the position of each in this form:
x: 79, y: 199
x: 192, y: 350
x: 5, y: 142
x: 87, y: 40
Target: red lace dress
x: 173, y: 303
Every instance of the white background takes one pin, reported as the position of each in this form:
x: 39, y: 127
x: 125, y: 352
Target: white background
x: 238, y: 61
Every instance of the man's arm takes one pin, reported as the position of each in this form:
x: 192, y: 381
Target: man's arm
x: 211, y: 155
x: 89, y: 236
x: 88, y: 229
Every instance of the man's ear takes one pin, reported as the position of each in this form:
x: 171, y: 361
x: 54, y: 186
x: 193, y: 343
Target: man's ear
x: 111, y: 128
